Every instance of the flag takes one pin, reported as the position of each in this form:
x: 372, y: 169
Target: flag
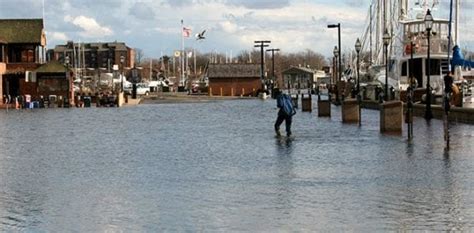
x: 186, y: 32
x: 190, y: 54
x: 177, y: 53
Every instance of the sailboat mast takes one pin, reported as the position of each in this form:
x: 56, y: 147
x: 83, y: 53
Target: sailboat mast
x: 370, y: 34
x: 456, y: 33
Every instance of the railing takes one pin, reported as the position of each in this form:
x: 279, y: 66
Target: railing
x: 21, y: 67
x: 438, y: 46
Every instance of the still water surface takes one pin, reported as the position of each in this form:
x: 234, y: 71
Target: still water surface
x: 218, y: 167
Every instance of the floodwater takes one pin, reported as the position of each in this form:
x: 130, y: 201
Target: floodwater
x: 217, y: 166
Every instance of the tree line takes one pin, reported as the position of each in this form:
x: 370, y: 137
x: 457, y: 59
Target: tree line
x: 167, y: 66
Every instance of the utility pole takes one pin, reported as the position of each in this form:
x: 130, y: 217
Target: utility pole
x: 273, y: 66
x: 262, y: 44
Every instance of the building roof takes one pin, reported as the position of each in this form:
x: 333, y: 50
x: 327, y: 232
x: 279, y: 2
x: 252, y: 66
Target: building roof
x: 298, y: 69
x: 52, y: 67
x: 106, y: 46
x: 21, y: 30
x: 234, y: 71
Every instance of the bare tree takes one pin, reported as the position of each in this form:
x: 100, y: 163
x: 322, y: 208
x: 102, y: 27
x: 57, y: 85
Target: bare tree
x: 139, y: 55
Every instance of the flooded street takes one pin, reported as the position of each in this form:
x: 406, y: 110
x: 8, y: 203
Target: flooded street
x: 217, y: 166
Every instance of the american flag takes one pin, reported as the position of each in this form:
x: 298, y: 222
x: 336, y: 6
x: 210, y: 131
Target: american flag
x: 186, y: 32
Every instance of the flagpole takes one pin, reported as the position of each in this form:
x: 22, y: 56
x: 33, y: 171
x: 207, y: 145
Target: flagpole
x: 182, y: 53
x: 194, y: 53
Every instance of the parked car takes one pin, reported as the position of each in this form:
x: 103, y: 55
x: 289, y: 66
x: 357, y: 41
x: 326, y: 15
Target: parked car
x: 142, y: 89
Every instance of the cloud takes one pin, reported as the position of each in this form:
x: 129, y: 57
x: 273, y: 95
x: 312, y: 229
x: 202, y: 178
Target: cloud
x: 57, y: 36
x: 142, y: 10
x: 90, y: 27
x: 261, y: 4
x: 228, y: 27
x: 178, y: 3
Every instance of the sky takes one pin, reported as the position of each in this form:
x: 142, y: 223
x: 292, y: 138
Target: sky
x: 231, y: 25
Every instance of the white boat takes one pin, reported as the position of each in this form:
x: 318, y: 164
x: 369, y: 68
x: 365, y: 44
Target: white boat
x: 408, y: 46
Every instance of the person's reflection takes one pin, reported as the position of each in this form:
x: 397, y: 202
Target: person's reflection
x: 284, y: 146
x: 284, y: 175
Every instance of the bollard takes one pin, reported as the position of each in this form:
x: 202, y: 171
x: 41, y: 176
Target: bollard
x: 324, y: 108
x: 221, y: 91
x: 350, y: 111
x: 306, y: 103
x: 231, y: 91
x: 210, y: 91
x: 391, y: 117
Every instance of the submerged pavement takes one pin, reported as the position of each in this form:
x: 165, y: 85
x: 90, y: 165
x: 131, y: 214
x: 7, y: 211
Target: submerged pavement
x: 217, y: 166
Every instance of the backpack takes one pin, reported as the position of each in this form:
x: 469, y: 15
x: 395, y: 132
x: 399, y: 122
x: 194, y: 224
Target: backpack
x: 285, y: 103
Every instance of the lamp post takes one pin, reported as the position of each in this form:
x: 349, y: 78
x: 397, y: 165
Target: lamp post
x: 386, y: 42
x: 338, y: 26
x: 336, y: 54
x: 134, y: 82
x: 122, y: 60
x: 68, y: 77
x: 428, y: 26
x: 358, y: 46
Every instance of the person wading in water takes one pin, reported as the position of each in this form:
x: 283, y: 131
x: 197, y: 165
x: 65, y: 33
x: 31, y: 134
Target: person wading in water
x: 285, y: 113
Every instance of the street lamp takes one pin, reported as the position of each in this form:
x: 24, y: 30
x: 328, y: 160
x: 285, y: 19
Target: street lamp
x: 134, y: 82
x: 122, y: 60
x: 428, y: 26
x: 338, y: 26
x: 358, y: 46
x: 68, y: 77
x: 386, y: 41
x: 336, y: 70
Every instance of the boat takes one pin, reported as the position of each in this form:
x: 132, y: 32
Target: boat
x: 408, y: 48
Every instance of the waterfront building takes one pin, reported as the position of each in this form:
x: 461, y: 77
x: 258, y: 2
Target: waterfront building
x: 95, y: 55
x: 234, y: 79
x: 22, y: 49
x: 53, y: 78
x: 298, y: 77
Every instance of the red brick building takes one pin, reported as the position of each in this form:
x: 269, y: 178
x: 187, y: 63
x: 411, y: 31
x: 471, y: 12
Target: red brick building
x: 95, y: 55
x: 22, y: 49
x: 234, y: 79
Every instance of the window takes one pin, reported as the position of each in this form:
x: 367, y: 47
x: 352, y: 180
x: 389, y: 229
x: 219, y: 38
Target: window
x: 27, y: 56
x: 435, y: 67
x: 404, y: 69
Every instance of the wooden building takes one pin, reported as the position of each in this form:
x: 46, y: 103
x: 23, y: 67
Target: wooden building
x: 297, y: 78
x: 22, y: 49
x: 234, y: 79
x: 53, y: 78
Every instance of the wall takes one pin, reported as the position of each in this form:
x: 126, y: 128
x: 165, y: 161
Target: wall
x: 3, y: 69
x: 233, y: 86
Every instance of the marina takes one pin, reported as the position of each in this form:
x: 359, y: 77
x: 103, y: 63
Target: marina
x: 216, y: 166
x: 167, y: 116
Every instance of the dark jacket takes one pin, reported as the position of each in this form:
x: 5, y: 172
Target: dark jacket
x: 286, y: 105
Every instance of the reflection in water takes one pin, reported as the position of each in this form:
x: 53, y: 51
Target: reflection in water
x: 183, y: 167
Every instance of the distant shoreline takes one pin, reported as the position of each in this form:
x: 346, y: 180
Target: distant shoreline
x: 171, y: 98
